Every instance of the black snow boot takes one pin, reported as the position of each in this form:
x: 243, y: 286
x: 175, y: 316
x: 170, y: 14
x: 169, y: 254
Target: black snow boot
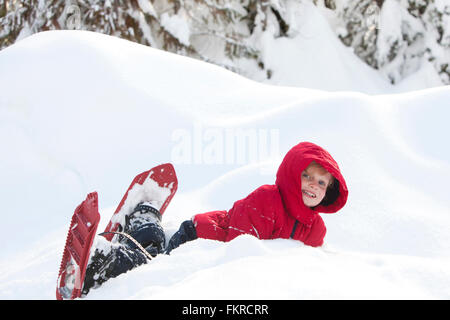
x: 144, y: 225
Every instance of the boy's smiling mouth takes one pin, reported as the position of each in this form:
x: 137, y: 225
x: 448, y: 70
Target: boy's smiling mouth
x: 309, y: 194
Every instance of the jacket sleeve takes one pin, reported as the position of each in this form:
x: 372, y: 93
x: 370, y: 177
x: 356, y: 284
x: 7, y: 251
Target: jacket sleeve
x: 212, y: 225
x: 253, y: 215
x: 316, y: 234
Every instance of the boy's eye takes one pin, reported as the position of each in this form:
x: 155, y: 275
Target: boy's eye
x: 305, y: 175
x: 322, y: 183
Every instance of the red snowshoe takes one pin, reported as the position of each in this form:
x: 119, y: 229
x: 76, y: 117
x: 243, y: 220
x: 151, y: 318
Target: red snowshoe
x: 76, y: 251
x: 156, y: 186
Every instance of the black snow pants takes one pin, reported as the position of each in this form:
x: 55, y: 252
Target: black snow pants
x: 144, y: 225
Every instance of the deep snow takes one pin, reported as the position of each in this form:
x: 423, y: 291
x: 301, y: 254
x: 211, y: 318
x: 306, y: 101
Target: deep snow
x: 83, y: 112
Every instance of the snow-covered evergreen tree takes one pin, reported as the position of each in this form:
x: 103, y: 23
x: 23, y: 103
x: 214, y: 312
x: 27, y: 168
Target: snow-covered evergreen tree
x: 394, y: 36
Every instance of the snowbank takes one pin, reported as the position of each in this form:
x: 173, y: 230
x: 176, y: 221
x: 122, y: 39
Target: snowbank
x: 82, y: 112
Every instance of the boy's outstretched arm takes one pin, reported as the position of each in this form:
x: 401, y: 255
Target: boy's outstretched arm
x: 185, y: 233
x: 254, y: 215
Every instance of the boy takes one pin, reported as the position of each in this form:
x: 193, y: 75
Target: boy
x: 308, y: 181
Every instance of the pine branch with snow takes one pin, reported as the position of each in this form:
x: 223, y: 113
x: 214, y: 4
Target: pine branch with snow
x: 396, y: 37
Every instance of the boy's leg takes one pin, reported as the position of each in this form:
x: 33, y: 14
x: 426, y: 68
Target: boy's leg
x: 112, y: 259
x: 110, y: 262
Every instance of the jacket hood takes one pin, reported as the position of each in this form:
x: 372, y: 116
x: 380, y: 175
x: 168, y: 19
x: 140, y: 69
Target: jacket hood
x: 289, y: 182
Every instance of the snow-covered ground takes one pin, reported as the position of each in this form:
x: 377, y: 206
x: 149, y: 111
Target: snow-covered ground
x: 83, y: 112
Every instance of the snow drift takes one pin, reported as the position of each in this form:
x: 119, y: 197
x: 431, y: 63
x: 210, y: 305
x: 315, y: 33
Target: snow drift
x: 83, y: 112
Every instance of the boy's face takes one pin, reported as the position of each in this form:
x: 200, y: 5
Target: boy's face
x: 315, y: 181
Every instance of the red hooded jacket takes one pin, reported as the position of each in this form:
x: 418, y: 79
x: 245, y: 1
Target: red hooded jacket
x: 278, y: 211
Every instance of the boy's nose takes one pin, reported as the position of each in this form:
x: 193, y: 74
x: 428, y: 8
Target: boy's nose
x: 313, y: 184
